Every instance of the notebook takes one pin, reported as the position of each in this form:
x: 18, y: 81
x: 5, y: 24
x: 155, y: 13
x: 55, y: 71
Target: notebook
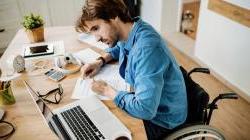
x: 109, y: 73
x: 90, y: 39
x: 86, y: 55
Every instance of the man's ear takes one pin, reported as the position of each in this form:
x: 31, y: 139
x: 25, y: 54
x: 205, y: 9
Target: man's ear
x: 117, y: 18
x: 114, y: 20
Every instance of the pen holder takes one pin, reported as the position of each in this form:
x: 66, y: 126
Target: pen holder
x: 6, y: 96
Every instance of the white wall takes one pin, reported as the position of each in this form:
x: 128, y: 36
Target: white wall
x: 163, y: 15
x: 151, y: 12
x: 224, y: 45
x: 242, y: 3
x: 171, y: 16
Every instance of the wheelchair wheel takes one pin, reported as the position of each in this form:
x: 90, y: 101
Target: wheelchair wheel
x: 202, y: 132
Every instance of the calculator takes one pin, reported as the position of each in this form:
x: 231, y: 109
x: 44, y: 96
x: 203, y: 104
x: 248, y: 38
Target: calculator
x: 55, y: 75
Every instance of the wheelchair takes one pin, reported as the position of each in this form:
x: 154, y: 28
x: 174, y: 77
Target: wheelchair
x: 200, y: 111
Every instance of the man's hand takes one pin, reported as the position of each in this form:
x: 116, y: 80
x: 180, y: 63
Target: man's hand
x: 91, y: 69
x: 102, y: 88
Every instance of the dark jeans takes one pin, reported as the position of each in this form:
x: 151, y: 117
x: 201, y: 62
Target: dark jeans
x: 155, y: 132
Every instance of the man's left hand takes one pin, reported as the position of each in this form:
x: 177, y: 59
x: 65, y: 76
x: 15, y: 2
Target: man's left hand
x: 102, y: 88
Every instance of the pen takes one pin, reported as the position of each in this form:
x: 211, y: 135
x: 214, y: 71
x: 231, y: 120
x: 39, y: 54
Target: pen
x: 1, y: 85
x: 6, y: 84
x: 82, y: 78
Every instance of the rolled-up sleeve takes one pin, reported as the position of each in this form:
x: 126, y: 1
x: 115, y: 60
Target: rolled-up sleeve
x: 150, y: 65
x: 115, y: 51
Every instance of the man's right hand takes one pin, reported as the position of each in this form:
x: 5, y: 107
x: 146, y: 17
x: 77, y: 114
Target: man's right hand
x: 91, y: 69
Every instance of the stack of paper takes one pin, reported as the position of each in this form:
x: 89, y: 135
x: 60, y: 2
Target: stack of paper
x: 109, y: 73
x: 90, y: 39
x: 86, y: 55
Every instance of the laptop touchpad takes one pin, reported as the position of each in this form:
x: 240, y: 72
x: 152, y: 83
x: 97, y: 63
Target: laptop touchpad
x: 100, y: 115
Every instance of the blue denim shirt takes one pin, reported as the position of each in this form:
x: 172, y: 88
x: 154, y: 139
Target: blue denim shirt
x: 149, y: 67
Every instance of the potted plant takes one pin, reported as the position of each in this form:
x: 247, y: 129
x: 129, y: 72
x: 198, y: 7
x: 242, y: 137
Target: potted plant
x: 34, y: 27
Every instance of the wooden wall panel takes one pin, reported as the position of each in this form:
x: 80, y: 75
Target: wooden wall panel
x: 231, y: 11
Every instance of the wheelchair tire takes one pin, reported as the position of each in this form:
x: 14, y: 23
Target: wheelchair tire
x: 196, y: 132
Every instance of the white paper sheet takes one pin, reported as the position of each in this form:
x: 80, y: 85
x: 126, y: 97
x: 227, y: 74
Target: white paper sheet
x: 90, y: 39
x: 10, y: 77
x: 109, y: 73
x: 86, y: 55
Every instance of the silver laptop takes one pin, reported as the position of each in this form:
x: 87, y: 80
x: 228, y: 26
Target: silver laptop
x: 85, y: 119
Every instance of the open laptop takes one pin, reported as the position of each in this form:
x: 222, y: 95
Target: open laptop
x: 85, y: 119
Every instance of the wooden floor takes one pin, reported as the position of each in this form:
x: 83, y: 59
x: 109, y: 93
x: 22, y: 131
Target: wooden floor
x: 233, y: 116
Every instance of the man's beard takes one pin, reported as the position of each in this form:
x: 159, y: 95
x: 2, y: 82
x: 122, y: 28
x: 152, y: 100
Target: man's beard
x: 113, y: 44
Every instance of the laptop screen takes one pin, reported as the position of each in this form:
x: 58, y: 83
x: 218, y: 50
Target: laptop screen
x: 45, y: 110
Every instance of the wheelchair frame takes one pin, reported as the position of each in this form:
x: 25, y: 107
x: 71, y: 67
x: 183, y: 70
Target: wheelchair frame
x: 199, y: 110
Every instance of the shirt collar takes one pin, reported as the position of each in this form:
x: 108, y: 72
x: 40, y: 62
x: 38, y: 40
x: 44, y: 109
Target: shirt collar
x: 132, y: 33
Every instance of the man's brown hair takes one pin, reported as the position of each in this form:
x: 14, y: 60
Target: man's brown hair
x: 102, y: 9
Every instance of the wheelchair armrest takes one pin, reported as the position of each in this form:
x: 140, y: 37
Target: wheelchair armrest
x: 202, y: 70
x: 228, y: 96
x: 224, y: 96
x: 213, y: 105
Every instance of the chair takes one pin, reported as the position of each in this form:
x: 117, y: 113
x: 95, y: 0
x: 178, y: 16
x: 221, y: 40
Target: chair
x: 199, y: 110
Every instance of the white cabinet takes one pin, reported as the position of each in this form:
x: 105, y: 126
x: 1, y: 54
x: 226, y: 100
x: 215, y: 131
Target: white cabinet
x: 66, y: 13
x: 54, y: 13
x: 37, y: 7
x: 9, y: 21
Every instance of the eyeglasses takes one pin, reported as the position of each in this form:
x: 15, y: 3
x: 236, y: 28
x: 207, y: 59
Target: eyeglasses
x: 6, y: 129
x: 54, y: 96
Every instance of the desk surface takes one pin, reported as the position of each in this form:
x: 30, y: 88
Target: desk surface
x: 24, y: 113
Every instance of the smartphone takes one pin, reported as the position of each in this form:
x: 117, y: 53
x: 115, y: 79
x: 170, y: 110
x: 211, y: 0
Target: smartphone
x: 39, y: 49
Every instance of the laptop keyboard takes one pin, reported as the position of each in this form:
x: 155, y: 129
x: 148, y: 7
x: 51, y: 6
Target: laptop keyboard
x: 80, y: 124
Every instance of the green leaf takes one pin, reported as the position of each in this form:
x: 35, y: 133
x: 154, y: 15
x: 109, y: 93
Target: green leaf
x: 32, y: 21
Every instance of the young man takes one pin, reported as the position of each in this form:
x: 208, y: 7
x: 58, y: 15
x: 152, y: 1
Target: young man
x: 159, y: 96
